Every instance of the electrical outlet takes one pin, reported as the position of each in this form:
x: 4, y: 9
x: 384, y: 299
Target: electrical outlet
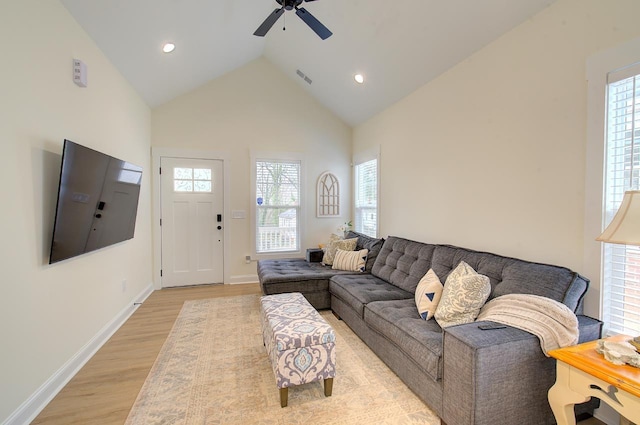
x: 247, y: 259
x: 124, y: 285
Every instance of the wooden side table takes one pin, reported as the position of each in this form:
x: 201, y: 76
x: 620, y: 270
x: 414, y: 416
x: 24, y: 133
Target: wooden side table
x: 582, y: 373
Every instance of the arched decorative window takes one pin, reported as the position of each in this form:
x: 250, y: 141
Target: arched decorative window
x: 328, y: 195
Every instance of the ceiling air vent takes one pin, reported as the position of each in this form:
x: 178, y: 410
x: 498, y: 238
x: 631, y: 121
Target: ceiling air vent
x: 304, y: 77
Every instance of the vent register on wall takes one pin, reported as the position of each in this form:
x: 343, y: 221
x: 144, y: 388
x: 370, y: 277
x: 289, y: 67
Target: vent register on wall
x: 97, y: 202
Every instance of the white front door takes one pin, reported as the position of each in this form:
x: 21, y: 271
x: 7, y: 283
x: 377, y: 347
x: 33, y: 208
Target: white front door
x: 192, y: 221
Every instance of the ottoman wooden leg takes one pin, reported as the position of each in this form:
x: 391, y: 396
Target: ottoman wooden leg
x: 284, y: 396
x: 328, y: 387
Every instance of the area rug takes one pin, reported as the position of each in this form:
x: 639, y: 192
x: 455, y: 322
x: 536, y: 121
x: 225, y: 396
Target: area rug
x: 213, y: 369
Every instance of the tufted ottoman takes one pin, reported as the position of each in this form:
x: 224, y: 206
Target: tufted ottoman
x: 299, y: 342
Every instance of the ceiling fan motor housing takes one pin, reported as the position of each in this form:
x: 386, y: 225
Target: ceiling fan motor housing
x: 290, y: 4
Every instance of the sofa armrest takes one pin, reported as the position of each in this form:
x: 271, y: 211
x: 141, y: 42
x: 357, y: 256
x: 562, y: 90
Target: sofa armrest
x: 590, y: 328
x: 498, y: 376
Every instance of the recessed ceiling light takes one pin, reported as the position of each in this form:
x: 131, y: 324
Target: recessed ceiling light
x: 168, y: 47
x: 359, y: 78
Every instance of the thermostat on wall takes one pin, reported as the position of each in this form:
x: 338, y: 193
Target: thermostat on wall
x: 79, y: 73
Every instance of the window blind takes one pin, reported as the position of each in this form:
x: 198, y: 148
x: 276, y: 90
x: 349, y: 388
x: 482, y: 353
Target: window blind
x: 277, y: 205
x: 621, y: 263
x: 366, y: 198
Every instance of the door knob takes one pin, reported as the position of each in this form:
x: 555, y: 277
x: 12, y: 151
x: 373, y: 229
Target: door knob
x: 219, y: 227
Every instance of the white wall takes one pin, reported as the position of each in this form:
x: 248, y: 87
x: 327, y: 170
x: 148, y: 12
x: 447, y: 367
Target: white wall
x: 49, y: 314
x: 491, y: 155
x: 258, y: 108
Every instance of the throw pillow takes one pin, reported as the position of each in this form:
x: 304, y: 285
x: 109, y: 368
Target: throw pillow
x: 334, y: 245
x: 374, y: 245
x: 353, y: 261
x: 428, y: 294
x: 464, y: 294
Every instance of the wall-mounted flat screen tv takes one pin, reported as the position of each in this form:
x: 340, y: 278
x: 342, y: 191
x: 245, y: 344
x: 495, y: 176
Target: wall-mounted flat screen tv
x: 97, y: 202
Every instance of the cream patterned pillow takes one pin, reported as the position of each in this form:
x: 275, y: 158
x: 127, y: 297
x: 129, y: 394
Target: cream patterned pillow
x: 428, y: 294
x: 334, y: 246
x: 464, y: 294
x: 353, y: 261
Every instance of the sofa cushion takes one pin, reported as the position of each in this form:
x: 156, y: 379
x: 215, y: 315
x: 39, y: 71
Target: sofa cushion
x: 428, y: 294
x: 464, y: 294
x: 350, y: 260
x: 334, y: 245
x: 403, y: 262
x: 513, y: 276
x: 358, y: 290
x: 374, y: 245
x: 292, y: 269
x: 399, y: 322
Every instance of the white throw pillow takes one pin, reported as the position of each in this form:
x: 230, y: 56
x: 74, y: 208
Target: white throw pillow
x: 353, y: 261
x: 333, y: 246
x: 464, y: 294
x: 428, y: 294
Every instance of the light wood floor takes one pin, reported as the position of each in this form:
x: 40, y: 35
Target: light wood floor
x: 107, y: 386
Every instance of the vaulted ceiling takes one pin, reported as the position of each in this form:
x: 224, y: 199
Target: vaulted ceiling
x: 397, y: 46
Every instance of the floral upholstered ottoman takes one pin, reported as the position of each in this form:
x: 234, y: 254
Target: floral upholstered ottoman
x: 299, y: 342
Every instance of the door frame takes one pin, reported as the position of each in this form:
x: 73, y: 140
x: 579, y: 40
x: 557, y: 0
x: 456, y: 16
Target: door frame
x: 156, y: 154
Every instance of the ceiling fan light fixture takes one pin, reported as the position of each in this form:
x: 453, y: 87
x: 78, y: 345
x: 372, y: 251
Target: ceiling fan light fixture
x: 359, y: 78
x: 168, y: 47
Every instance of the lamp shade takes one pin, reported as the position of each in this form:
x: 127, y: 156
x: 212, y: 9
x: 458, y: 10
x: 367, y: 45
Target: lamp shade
x: 625, y: 226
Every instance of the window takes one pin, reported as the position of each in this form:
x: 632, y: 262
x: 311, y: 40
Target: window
x: 191, y: 179
x: 277, y: 205
x: 621, y: 263
x: 366, y: 197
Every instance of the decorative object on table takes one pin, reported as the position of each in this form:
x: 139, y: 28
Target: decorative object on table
x: 619, y: 353
x: 344, y: 228
x: 328, y: 195
x: 636, y: 343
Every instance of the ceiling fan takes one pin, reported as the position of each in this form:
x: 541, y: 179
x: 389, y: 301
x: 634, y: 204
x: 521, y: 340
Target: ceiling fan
x: 322, y: 31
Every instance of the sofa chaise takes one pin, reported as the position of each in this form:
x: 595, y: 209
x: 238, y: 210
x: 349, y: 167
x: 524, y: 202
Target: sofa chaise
x: 310, y: 278
x: 464, y: 374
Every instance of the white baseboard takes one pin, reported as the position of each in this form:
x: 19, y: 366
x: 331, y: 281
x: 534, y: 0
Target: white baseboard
x: 246, y: 278
x: 31, y: 407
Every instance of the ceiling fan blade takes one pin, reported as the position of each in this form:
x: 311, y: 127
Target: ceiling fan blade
x: 322, y: 31
x: 268, y: 23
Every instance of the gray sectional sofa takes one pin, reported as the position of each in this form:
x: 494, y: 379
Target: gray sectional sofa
x: 464, y: 374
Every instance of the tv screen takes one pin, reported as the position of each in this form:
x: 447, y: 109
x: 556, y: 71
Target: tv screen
x: 97, y: 202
